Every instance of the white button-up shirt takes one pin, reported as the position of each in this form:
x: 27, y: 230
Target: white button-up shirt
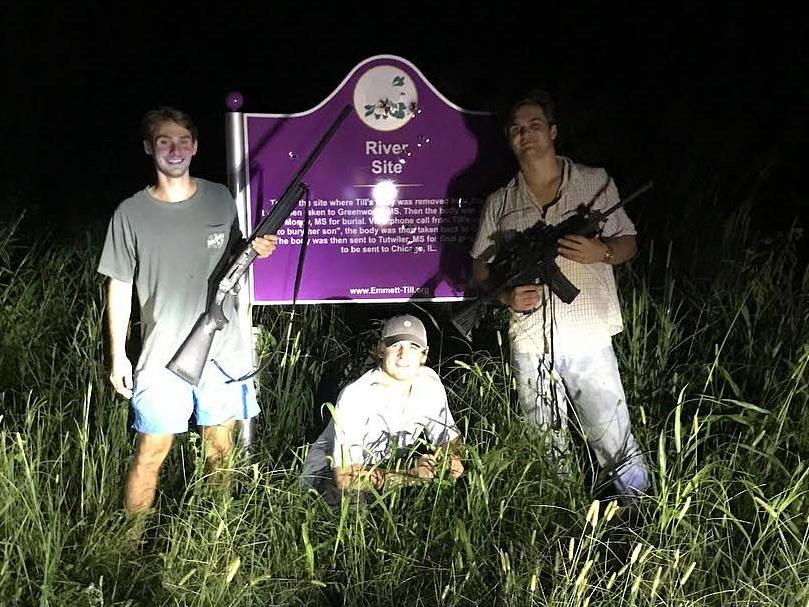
x: 595, y: 315
x: 370, y: 419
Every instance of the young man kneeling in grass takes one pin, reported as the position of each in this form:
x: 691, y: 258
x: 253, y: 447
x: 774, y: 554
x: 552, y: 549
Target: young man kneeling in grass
x: 381, y: 416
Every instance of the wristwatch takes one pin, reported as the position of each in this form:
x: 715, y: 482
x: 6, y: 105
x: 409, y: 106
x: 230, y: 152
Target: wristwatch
x: 607, y: 258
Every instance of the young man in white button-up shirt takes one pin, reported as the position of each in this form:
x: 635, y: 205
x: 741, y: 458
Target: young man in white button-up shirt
x: 383, y: 414
x: 561, y: 351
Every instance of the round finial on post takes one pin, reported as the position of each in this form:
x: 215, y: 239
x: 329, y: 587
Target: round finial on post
x: 234, y: 101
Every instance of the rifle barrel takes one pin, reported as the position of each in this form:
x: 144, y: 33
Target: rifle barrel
x: 644, y: 188
x: 294, y: 184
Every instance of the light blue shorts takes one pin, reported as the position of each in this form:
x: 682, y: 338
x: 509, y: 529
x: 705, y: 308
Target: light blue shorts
x: 163, y: 403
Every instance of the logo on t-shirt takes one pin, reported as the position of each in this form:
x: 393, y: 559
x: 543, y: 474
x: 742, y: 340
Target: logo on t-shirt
x: 216, y: 240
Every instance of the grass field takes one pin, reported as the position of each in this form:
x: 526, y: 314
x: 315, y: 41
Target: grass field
x: 715, y: 368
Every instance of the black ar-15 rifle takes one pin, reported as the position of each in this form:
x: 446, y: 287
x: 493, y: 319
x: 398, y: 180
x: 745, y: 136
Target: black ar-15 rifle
x: 190, y: 358
x: 530, y: 258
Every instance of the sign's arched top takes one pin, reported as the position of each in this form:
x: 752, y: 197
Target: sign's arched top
x: 369, y: 69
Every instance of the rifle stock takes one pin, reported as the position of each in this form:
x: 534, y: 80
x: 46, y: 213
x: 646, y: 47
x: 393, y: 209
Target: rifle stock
x: 187, y: 363
x: 190, y: 358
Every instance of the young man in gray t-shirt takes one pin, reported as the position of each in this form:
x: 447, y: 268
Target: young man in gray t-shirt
x: 168, y: 240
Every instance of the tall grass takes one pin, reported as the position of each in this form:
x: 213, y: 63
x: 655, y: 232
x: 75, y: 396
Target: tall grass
x: 715, y: 368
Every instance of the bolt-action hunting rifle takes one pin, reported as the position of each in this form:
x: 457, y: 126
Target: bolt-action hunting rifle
x: 530, y: 258
x: 189, y: 360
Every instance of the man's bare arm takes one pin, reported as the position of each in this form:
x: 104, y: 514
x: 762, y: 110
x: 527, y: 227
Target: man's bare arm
x: 614, y: 251
x: 347, y: 477
x: 119, y: 308
x: 622, y: 248
x: 355, y: 475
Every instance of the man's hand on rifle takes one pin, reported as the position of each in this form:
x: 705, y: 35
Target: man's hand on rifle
x: 426, y: 468
x: 582, y: 249
x: 265, y: 245
x: 429, y: 463
x: 524, y: 298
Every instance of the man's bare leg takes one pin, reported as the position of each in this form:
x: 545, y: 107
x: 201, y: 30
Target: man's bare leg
x: 218, y: 441
x: 141, y: 482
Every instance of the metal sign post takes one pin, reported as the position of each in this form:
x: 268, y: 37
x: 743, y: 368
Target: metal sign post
x: 234, y: 134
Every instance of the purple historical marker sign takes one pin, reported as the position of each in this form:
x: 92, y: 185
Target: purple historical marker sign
x: 394, y: 197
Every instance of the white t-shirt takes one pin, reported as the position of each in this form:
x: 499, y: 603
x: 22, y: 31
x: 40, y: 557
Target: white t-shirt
x: 370, y: 419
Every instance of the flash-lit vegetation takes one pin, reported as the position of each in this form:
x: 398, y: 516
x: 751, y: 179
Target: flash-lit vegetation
x: 715, y: 367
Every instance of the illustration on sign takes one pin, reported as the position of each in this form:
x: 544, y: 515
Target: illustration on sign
x: 393, y: 199
x: 387, y: 98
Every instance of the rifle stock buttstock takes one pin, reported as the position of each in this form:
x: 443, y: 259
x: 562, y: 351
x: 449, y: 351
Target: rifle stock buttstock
x: 190, y: 358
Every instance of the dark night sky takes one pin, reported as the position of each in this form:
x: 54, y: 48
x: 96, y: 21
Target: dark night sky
x: 640, y: 91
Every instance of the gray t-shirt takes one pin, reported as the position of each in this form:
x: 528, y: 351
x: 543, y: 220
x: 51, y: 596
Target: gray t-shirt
x: 170, y: 251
